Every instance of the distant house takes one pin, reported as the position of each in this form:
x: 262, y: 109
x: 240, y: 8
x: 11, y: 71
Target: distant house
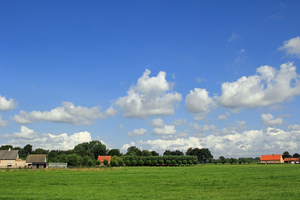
x: 38, y: 161
x: 10, y: 159
x: 271, y: 159
x: 292, y: 160
x: 102, y: 158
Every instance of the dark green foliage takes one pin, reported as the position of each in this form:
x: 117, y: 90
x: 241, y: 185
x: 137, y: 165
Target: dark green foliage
x: 127, y: 162
x: 195, y: 162
x: 105, y: 162
x: 190, y: 162
x: 90, y: 163
x: 202, y: 154
x: 40, y: 151
x: 114, y: 152
x: 173, y: 162
x: 154, y: 153
x: 154, y: 162
x: 98, y: 162
x: 286, y: 154
x: 133, y: 163
x: 244, y: 160
x: 74, y: 160
x: 120, y: 162
x: 168, y: 162
x: 95, y: 147
x: 141, y: 162
x: 184, y: 162
x: 148, y: 162
x: 114, y: 163
x: 173, y: 153
x: 160, y: 162
x: 179, y: 162
x: 85, y: 160
x: 6, y: 147
x: 296, y: 155
x: 146, y: 153
x: 63, y: 158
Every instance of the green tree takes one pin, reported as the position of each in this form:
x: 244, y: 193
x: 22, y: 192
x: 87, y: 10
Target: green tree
x: 244, y: 160
x: 6, y: 147
x: 85, y: 160
x: 202, y: 154
x: 132, y: 148
x: 63, y: 158
x: 40, y: 151
x: 74, y: 160
x: 154, y: 153
x: 114, y: 152
x: 296, y: 155
x: 146, y: 153
x: 286, y: 154
x: 28, y: 149
x: 98, y: 162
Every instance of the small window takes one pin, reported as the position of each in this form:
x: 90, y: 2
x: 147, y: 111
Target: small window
x: 9, y: 164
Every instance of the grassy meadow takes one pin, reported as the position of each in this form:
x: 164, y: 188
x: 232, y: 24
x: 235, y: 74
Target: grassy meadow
x: 281, y: 181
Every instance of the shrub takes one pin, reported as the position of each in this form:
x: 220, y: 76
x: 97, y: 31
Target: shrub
x: 190, y: 162
x: 97, y: 162
x: 161, y: 162
x: 133, y: 163
x: 114, y: 163
x: 141, y: 162
x: 120, y: 162
x: 195, y: 162
x: 216, y: 162
x: 240, y: 162
x: 148, y: 162
x: 127, y: 162
x: 184, y: 162
x: 90, y: 163
x: 85, y: 160
x: 168, y: 162
x: 179, y: 162
x: 174, y: 162
x: 105, y: 162
x: 154, y: 162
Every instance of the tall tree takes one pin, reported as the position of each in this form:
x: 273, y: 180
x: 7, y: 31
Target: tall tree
x: 154, y: 153
x: 132, y: 148
x: 6, y: 147
x: 28, y: 149
x: 202, y: 154
x: 114, y: 152
x: 286, y: 154
x: 296, y: 155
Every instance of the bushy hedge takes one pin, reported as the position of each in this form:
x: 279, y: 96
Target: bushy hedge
x: 141, y: 162
x: 168, y: 162
x: 120, y: 162
x: 154, y: 160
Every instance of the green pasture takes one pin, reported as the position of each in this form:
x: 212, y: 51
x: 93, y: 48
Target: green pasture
x: 281, y: 181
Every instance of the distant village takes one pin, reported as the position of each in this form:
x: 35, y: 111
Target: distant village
x: 95, y: 153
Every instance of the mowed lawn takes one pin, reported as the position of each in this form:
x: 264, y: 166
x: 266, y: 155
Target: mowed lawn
x: 281, y: 181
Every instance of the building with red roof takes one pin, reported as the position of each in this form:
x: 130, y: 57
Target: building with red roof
x: 102, y: 158
x: 292, y: 160
x: 271, y: 159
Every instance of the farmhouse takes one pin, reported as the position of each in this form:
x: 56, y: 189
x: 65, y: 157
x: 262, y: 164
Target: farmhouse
x: 10, y: 159
x: 36, y: 161
x: 102, y: 158
x: 292, y: 160
x: 271, y: 159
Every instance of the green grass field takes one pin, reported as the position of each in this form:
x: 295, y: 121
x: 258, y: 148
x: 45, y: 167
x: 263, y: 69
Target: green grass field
x: 198, y: 182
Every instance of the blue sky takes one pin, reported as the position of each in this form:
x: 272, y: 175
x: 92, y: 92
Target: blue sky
x: 159, y: 75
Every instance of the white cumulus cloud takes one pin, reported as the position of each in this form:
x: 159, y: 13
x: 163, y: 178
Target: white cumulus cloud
x: 268, y: 87
x: 179, y: 122
x: 151, y: 96
x: 156, y: 123
x: 295, y: 127
x: 291, y: 47
x: 6, y: 105
x: 268, y: 120
x: 67, y: 113
x: 137, y: 132
x: 3, y: 123
x: 47, y: 140
x: 165, y: 130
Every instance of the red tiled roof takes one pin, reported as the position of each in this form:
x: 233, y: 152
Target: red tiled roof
x: 101, y: 158
x: 270, y: 157
x: 292, y: 159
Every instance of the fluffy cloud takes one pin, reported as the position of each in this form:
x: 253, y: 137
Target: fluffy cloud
x: 183, y: 134
x: 47, y: 140
x: 250, y: 143
x: 291, y: 47
x: 179, y: 122
x: 269, y: 86
x: 198, y: 101
x: 67, y: 113
x: 268, y: 120
x: 223, y: 116
x: 156, y: 123
x: 150, y: 97
x: 232, y: 129
x: 294, y: 127
x: 6, y: 105
x: 110, y: 112
x: 165, y: 130
x: 137, y: 132
x: 3, y: 123
x: 198, y: 130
